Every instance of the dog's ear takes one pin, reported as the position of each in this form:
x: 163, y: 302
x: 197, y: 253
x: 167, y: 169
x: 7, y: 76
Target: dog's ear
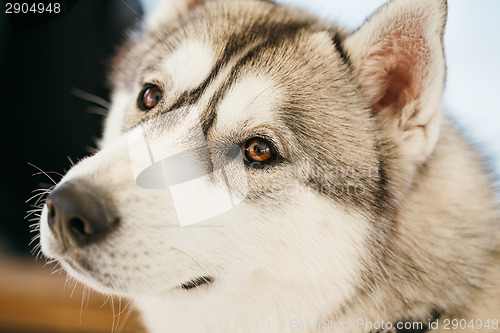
x: 163, y: 11
x: 398, y: 59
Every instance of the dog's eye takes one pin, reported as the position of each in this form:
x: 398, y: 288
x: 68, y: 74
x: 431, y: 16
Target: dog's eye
x: 149, y: 97
x: 258, y: 150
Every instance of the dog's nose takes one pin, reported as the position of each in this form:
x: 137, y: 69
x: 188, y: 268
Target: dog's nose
x: 79, y: 214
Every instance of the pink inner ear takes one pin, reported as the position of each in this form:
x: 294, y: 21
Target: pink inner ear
x: 396, y: 70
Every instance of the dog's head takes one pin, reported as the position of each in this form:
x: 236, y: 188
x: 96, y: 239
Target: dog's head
x: 246, y: 140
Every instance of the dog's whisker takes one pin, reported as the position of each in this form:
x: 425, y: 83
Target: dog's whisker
x: 113, y: 316
x: 91, y: 98
x: 40, y: 189
x: 85, y: 298
x: 125, y: 317
x: 36, y: 209
x: 46, y: 173
x: 116, y: 317
x: 125, y: 308
x: 57, y: 271
x: 32, y: 211
x: 98, y: 111
x: 68, y: 282
x: 74, y: 288
x: 190, y: 257
x: 72, y: 164
x: 88, y: 297
x: 37, y: 223
x: 48, y: 262
x: 35, y: 196
x: 35, y: 249
x: 35, y: 217
x: 40, y: 201
x: 35, y: 238
x: 38, y: 254
x: 35, y: 230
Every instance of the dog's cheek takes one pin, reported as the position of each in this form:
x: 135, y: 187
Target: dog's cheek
x: 273, y: 242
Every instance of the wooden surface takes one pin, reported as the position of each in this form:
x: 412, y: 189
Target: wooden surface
x: 32, y: 300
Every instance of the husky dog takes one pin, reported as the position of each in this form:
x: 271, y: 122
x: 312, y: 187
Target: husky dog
x: 354, y: 205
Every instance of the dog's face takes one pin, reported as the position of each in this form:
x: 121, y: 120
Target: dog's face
x: 308, y: 177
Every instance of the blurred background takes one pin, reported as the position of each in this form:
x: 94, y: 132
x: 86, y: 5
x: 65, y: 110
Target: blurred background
x: 53, y: 95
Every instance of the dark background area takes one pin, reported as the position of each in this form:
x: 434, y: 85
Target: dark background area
x: 43, y: 120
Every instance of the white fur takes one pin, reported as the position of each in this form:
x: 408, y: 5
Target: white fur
x: 255, y: 300
x: 249, y: 102
x: 189, y: 64
x: 113, y: 125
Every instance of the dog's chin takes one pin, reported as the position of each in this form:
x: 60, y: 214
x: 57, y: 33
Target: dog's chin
x: 75, y: 263
x: 82, y: 271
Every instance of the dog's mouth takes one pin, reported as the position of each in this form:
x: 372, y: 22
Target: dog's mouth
x: 195, y: 283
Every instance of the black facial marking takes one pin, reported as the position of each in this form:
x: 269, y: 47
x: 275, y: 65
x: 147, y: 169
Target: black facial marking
x: 337, y: 42
x: 261, y: 35
x: 274, y: 36
x: 197, y: 282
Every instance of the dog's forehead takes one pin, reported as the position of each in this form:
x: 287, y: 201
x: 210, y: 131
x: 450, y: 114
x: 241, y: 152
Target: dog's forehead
x: 213, y: 32
x: 189, y: 64
x: 240, y: 62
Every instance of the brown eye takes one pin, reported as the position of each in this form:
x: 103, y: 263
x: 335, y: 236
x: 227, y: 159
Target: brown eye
x: 149, y: 97
x: 258, y: 150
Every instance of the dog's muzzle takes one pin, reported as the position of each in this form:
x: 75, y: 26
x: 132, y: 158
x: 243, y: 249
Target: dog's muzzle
x: 79, y: 214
